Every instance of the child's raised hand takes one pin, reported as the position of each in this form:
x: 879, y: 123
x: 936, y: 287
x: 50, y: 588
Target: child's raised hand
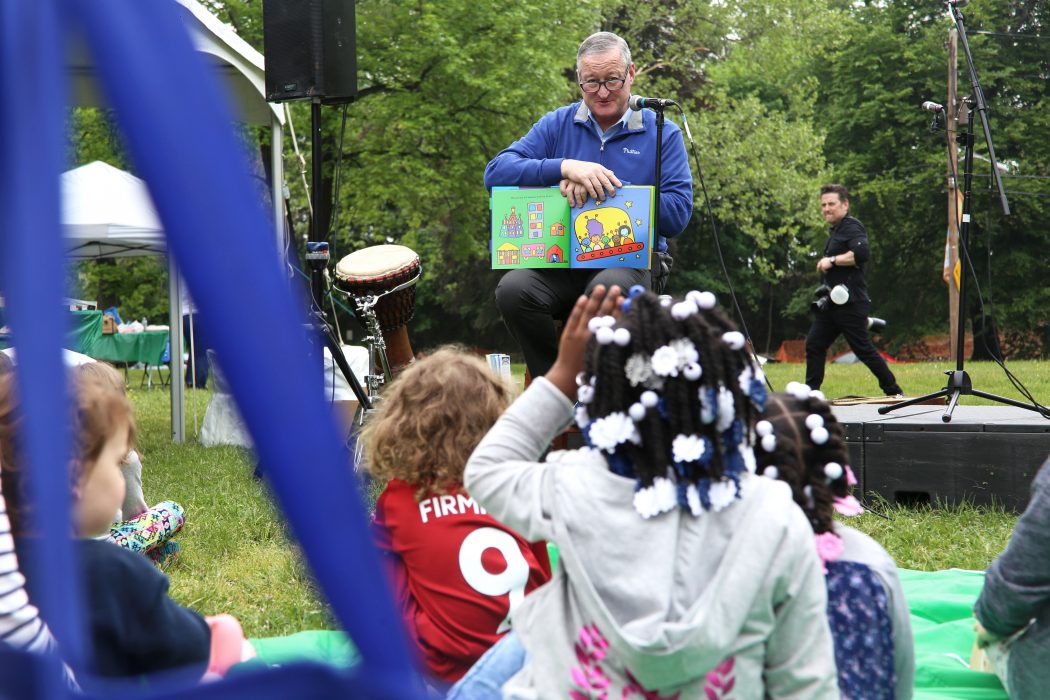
x: 576, y: 333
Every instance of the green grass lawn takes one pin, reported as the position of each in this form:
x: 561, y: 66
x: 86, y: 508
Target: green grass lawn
x: 237, y: 556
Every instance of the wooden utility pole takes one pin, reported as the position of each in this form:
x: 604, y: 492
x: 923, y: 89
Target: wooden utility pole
x: 953, y: 117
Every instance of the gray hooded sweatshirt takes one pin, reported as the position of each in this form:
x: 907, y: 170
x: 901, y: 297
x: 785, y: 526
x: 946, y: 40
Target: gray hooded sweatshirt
x: 725, y: 604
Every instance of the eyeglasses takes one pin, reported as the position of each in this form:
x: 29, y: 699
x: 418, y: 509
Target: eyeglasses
x: 611, y: 85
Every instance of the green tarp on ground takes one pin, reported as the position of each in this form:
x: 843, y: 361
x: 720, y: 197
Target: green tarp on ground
x: 320, y: 646
x: 941, y: 604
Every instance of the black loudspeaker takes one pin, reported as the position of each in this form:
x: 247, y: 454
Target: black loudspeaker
x: 310, y: 49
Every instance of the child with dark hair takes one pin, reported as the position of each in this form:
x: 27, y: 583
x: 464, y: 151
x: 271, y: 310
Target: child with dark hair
x: 458, y: 575
x: 681, y: 573
x: 802, y: 444
x: 134, y: 627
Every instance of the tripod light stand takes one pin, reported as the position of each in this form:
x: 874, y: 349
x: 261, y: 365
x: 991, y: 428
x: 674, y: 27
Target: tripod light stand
x: 959, y: 382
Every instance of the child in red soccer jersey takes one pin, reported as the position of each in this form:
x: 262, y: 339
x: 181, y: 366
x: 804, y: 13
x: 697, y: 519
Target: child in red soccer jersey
x: 457, y: 573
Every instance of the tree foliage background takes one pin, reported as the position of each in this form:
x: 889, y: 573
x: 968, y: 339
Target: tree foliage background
x: 781, y: 96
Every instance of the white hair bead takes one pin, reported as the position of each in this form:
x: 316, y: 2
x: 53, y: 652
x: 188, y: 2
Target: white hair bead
x: 683, y: 310
x: 636, y: 412
x: 604, y: 335
x: 665, y: 300
x: 819, y: 435
x: 771, y: 472
x: 799, y: 391
x: 814, y: 421
x: 818, y: 394
x: 703, y: 300
x: 581, y: 379
x: 692, y: 371
x: 649, y: 399
x: 622, y: 337
x: 594, y: 324
x: 763, y: 428
x: 769, y: 442
x: 734, y: 339
x: 833, y: 470
x: 608, y: 321
x: 585, y: 394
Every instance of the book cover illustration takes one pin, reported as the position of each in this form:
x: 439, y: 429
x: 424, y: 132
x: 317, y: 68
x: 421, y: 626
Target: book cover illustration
x: 535, y: 227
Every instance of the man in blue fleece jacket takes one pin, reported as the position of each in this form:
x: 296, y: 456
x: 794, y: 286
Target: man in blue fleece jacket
x: 588, y: 149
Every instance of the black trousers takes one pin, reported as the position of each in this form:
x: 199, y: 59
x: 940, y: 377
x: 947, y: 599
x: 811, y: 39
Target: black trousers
x: 531, y: 300
x: 851, y: 320
x: 197, y: 367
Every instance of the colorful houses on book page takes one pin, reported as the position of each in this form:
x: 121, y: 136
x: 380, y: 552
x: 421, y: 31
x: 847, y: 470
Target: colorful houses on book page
x: 529, y: 228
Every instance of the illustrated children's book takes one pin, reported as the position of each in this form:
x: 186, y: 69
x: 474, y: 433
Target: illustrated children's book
x: 535, y: 227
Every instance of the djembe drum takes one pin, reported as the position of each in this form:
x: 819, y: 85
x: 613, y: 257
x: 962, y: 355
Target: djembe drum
x: 389, y: 273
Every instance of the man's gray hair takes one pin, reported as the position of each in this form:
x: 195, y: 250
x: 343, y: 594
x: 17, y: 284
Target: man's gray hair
x: 603, y: 42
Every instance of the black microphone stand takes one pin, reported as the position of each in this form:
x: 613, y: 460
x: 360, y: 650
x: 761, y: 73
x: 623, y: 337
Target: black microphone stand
x: 959, y: 382
x: 317, y: 256
x: 659, y: 174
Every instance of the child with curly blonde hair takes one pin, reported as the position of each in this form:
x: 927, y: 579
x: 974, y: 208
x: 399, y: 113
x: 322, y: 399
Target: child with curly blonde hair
x: 458, y: 574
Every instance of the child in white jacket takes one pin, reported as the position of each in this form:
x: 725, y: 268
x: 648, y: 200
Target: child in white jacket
x: 683, y: 575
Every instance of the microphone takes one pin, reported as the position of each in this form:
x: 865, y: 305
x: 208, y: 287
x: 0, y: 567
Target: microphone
x: 932, y: 106
x: 639, y: 102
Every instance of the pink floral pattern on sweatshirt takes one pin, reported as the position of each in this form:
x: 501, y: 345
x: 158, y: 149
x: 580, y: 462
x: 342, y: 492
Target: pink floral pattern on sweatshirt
x: 592, y: 681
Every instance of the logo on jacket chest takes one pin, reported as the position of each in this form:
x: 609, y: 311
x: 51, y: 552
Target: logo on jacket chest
x: 631, y: 151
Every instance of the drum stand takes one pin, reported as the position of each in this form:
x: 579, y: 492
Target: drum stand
x: 317, y: 255
x: 375, y: 340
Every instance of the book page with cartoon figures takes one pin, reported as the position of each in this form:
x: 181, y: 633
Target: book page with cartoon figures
x: 534, y: 227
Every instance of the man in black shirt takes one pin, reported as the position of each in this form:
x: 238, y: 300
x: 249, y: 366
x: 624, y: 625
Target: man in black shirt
x: 847, y: 305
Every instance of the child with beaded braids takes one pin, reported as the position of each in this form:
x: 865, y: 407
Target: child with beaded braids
x: 682, y: 574
x: 803, y: 445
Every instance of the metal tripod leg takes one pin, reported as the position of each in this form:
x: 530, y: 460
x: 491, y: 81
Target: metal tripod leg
x: 344, y: 366
x: 959, y: 384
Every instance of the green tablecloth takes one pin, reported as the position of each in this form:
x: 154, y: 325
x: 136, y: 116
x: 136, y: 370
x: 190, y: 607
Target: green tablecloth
x: 146, y: 347
x: 85, y: 330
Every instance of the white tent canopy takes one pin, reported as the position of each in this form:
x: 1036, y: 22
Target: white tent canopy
x: 241, y: 71
x: 108, y: 213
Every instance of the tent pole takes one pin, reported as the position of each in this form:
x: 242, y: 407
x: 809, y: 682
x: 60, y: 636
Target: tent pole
x: 175, y: 384
x: 277, y: 184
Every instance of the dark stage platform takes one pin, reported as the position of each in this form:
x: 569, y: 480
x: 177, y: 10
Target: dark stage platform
x: 985, y: 454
